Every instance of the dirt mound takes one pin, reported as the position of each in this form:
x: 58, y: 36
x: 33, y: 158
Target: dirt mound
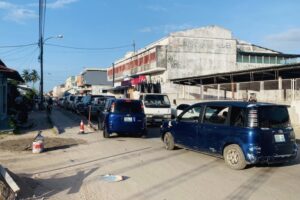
x: 50, y: 144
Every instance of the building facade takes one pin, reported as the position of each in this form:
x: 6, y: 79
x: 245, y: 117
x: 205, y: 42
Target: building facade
x: 195, y: 52
x: 93, y: 81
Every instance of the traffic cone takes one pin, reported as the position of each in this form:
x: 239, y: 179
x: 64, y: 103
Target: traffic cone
x: 81, y: 130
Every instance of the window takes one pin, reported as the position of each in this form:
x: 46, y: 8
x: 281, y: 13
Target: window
x: 280, y: 60
x: 237, y: 117
x: 128, y: 106
x: 239, y: 58
x: 246, y: 58
x: 259, y: 59
x: 273, y: 60
x: 266, y: 59
x: 157, y: 101
x: 216, y: 114
x: 253, y: 59
x: 274, y: 117
x: 192, y: 113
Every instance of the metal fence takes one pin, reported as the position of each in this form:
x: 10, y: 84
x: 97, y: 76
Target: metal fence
x: 277, y: 91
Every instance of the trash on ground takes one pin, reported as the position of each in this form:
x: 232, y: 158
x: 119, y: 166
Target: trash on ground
x: 113, y: 178
x: 38, y: 143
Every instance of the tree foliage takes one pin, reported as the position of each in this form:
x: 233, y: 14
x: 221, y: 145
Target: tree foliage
x: 30, y: 76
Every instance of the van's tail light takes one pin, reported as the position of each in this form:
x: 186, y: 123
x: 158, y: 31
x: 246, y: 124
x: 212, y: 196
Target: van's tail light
x: 113, y: 107
x: 142, y: 107
x: 252, y: 118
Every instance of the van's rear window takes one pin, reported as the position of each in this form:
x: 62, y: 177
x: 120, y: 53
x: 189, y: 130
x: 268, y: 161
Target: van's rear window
x: 273, y: 117
x: 128, y: 107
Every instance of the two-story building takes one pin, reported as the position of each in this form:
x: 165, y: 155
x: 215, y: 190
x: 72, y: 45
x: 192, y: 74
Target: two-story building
x: 191, y: 53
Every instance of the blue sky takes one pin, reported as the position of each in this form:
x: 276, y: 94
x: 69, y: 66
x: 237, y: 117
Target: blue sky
x: 111, y: 23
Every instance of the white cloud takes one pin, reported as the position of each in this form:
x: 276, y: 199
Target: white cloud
x: 60, y: 3
x: 166, y: 29
x: 5, y: 5
x: 291, y: 35
x: 156, y: 8
x: 16, y: 13
x: 288, y: 40
x: 20, y: 14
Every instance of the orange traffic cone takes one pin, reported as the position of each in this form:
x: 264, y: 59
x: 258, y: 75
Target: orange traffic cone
x: 81, y: 127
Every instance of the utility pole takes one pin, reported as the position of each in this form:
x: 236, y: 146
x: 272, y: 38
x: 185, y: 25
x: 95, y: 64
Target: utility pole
x: 41, y: 45
x: 113, y: 68
x: 133, y: 45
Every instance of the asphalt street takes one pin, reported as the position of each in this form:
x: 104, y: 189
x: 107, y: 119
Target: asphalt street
x: 151, y: 171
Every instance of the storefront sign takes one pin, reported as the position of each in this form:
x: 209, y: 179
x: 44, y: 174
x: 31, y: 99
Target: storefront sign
x: 138, y: 80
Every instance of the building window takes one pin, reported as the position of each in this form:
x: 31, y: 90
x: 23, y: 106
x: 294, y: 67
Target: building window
x: 253, y: 59
x: 273, y: 60
x: 280, y: 60
x: 246, y: 58
x: 267, y: 59
x: 259, y: 59
x: 239, y: 58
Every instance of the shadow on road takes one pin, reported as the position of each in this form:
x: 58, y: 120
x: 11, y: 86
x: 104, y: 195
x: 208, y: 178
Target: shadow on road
x: 46, y: 188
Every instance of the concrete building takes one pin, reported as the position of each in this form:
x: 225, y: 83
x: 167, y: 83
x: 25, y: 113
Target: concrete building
x: 193, y: 53
x: 71, y: 85
x: 58, y: 91
x: 93, y: 81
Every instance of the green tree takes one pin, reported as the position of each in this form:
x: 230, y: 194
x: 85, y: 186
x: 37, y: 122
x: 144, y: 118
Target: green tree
x: 26, y: 76
x: 30, y: 76
x: 34, y: 76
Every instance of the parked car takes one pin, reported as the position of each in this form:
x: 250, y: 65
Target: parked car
x: 98, y: 104
x: 77, y: 100
x: 240, y: 132
x: 61, y: 102
x: 83, y: 106
x: 69, y: 102
x: 157, y: 107
x: 123, y: 116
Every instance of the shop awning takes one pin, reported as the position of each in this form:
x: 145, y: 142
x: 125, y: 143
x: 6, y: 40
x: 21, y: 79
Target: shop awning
x: 286, y: 71
x: 118, y: 88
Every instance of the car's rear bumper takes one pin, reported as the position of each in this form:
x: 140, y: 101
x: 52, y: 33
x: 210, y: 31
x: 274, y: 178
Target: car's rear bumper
x: 277, y: 158
x: 157, y: 119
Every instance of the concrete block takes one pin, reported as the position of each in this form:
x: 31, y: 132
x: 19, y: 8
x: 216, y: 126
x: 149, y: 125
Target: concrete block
x: 12, y: 184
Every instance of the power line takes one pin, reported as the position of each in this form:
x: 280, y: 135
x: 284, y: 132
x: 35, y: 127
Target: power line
x: 89, y: 48
x: 20, y: 45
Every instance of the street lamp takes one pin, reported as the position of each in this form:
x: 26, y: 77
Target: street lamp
x: 41, y: 57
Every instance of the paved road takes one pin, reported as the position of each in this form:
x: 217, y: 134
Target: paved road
x: 152, y: 172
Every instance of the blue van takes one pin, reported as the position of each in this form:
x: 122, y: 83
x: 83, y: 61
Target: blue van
x: 124, y: 117
x: 240, y: 132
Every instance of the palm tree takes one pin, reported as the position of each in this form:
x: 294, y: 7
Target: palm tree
x: 34, y: 76
x: 26, y: 75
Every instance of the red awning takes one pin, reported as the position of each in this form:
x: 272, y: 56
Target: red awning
x: 10, y: 73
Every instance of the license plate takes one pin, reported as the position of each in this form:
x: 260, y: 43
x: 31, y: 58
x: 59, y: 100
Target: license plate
x: 279, y: 138
x: 127, y: 119
x: 157, y: 120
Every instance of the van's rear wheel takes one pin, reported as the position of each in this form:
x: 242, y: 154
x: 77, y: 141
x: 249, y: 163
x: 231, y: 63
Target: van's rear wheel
x: 169, y: 141
x: 105, y: 132
x: 234, y: 157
